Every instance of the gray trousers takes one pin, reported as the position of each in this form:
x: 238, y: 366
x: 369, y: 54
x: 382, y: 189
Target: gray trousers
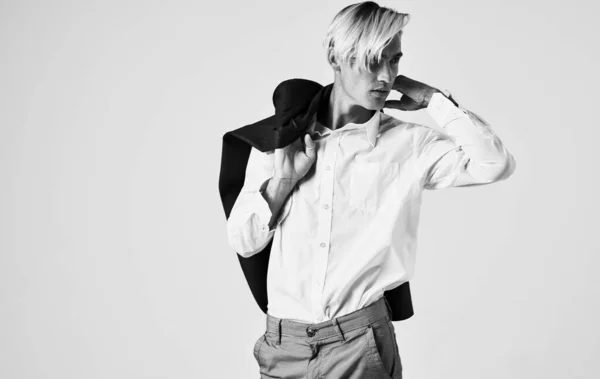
x: 361, y: 344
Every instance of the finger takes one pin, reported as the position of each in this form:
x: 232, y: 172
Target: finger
x: 404, y: 104
x: 408, y: 104
x: 410, y: 87
x: 311, y: 147
x: 403, y: 80
x: 308, y: 141
x: 410, y: 83
x: 403, y: 83
x: 393, y: 104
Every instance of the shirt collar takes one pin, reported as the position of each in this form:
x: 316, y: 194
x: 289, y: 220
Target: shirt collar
x: 371, y: 128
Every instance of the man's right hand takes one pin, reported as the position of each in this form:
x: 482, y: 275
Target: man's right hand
x: 293, y: 161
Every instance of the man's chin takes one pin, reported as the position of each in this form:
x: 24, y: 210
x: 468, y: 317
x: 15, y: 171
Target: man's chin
x: 376, y: 105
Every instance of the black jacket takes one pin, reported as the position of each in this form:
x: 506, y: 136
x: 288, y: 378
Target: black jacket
x: 298, y: 100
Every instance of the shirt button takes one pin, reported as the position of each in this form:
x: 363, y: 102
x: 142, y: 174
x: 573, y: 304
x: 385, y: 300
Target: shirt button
x: 327, y: 167
x: 326, y: 206
x: 322, y: 244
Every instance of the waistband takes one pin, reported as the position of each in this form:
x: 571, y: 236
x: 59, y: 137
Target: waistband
x: 336, y: 326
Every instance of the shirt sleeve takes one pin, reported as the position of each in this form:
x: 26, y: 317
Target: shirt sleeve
x: 469, y: 153
x: 248, y: 223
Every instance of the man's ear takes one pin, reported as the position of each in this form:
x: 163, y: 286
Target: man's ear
x: 333, y: 62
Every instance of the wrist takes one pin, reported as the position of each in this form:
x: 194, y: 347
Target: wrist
x: 284, y: 181
x: 429, y: 94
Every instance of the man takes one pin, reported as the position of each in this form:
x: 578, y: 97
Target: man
x: 341, y: 205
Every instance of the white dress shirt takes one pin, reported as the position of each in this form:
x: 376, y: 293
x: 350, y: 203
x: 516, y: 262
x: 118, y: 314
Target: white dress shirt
x: 348, y: 231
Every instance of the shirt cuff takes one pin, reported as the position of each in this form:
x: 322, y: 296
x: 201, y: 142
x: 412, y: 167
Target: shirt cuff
x: 264, y: 211
x: 442, y: 110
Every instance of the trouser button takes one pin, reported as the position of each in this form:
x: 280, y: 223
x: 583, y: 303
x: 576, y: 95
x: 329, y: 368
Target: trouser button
x: 310, y: 331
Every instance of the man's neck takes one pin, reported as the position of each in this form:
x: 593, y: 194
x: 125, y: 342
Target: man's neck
x: 340, y: 110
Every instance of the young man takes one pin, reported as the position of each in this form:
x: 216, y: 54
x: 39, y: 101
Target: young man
x: 342, y: 205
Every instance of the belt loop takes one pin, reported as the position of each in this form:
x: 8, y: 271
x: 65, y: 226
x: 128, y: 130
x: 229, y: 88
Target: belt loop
x: 279, y: 332
x: 337, y: 327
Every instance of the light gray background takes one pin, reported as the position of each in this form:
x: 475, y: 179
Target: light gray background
x: 114, y: 261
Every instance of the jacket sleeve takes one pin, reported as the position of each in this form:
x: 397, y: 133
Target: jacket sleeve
x: 248, y: 223
x: 469, y: 153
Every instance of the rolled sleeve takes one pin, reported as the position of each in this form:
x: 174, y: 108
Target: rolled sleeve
x: 248, y: 224
x: 468, y: 153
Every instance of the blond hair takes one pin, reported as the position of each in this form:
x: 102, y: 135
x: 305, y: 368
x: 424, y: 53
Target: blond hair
x: 361, y: 31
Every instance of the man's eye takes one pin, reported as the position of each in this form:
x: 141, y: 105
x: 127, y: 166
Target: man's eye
x: 375, y: 63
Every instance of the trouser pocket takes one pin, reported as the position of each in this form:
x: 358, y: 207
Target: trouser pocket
x: 257, y: 346
x: 382, y: 350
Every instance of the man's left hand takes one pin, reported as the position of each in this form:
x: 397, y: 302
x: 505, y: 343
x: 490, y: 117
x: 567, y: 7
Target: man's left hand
x: 415, y: 95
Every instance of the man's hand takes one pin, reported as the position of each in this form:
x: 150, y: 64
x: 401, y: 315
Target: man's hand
x: 292, y: 162
x: 415, y: 95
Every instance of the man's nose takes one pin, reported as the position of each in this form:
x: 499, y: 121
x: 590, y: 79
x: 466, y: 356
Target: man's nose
x: 385, y: 73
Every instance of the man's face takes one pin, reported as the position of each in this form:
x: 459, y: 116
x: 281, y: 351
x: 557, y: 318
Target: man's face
x: 359, y: 85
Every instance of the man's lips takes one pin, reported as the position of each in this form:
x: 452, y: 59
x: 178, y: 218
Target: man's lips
x: 381, y: 92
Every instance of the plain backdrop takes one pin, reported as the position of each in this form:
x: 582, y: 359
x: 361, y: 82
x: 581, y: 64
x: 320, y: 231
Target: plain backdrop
x: 114, y: 260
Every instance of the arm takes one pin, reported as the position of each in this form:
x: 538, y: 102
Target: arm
x: 467, y: 154
x: 275, y: 192
x: 261, y: 206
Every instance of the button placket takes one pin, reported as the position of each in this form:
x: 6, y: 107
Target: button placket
x: 324, y: 226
